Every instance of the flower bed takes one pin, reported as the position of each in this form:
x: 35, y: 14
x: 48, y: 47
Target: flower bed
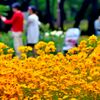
x: 75, y: 76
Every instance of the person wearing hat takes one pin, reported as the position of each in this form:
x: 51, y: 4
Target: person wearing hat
x: 17, y: 26
x: 32, y: 27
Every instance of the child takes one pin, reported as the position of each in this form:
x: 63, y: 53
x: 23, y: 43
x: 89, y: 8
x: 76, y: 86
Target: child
x: 71, y: 38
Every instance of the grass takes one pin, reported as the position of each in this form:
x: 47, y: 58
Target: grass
x: 83, y: 25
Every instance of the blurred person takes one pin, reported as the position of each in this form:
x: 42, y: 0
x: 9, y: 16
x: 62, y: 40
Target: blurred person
x: 71, y: 38
x: 97, y: 26
x: 32, y: 27
x: 17, y: 26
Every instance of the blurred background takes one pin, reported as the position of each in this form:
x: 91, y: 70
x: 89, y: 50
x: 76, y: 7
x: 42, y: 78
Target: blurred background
x: 57, y: 14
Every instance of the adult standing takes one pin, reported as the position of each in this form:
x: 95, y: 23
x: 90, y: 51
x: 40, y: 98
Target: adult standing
x: 32, y: 27
x: 17, y: 26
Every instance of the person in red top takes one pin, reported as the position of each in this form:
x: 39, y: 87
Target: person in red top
x: 17, y: 26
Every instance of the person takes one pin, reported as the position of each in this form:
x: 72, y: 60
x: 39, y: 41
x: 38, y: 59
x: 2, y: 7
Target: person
x: 71, y: 37
x: 17, y: 26
x: 32, y: 27
x: 97, y: 26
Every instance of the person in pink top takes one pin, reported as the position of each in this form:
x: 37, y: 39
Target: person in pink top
x: 17, y: 26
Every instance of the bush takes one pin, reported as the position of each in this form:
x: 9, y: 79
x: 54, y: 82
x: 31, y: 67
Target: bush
x: 3, y: 10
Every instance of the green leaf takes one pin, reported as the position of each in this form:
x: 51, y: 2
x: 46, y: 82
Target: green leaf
x: 55, y: 97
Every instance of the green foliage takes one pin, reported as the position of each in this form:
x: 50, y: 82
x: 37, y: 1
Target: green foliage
x: 7, y: 39
x: 68, y: 5
x: 4, y: 9
x: 71, y: 7
x: 59, y: 41
x: 47, y: 36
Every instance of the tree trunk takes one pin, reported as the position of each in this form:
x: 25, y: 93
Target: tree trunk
x: 92, y: 17
x: 53, y: 7
x: 81, y: 13
x: 62, y: 14
x: 48, y: 14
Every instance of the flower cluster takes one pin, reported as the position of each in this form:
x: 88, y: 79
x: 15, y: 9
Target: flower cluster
x: 45, y: 48
x: 25, y: 49
x: 75, y: 76
x: 54, y: 33
x: 56, y: 36
x: 92, y: 39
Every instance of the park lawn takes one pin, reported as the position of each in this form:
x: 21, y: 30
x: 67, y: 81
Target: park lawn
x: 83, y: 25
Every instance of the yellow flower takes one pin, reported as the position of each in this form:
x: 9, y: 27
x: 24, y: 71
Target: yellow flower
x: 3, y: 46
x: 24, y: 49
x: 23, y: 56
x: 48, y: 75
x: 83, y: 44
x: 73, y: 99
x: 73, y: 50
x: 92, y: 39
x: 65, y: 97
x: 10, y: 50
x: 89, y: 78
x: 29, y: 48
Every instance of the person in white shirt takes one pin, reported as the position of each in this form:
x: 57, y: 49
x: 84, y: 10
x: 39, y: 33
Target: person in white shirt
x: 97, y: 26
x: 32, y: 27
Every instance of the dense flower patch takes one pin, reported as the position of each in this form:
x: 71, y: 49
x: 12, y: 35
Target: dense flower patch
x: 75, y: 76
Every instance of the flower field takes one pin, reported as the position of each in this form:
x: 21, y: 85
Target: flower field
x: 51, y: 76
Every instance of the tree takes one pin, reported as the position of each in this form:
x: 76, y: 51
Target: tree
x: 62, y: 14
x: 37, y: 3
x: 48, y: 14
x: 7, y: 2
x: 25, y: 4
x: 3, y: 11
x: 92, y: 16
